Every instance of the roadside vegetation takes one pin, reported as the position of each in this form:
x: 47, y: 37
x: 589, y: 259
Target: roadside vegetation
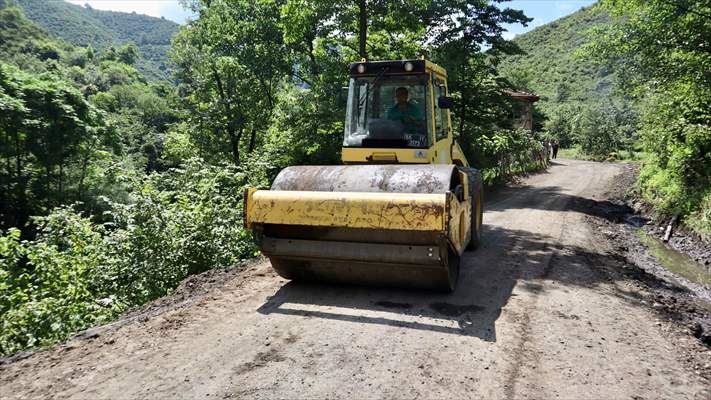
x: 115, y: 186
x: 575, y: 152
x: 661, y: 53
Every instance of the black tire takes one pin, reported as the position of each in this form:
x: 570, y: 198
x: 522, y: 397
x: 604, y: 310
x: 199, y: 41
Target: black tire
x: 476, y: 189
x: 453, y: 261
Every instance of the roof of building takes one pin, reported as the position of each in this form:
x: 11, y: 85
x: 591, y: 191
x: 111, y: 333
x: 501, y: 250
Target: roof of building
x: 519, y: 94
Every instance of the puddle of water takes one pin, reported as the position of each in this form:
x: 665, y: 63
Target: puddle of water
x: 674, y: 261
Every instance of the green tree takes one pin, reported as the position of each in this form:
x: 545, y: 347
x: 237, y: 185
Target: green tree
x: 128, y: 54
x: 46, y: 126
x: 661, y: 50
x: 452, y: 33
x: 231, y: 62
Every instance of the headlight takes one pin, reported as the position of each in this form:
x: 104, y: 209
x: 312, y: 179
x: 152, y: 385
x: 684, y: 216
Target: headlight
x: 409, y: 66
x: 360, y: 68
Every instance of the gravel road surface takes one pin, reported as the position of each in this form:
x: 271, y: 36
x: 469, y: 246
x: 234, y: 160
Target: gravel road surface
x: 535, y: 315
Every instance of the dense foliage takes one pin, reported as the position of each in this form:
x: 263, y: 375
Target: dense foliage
x: 47, y: 133
x: 84, y: 26
x: 76, y: 273
x: 661, y: 50
x: 114, y: 189
x: 72, y: 124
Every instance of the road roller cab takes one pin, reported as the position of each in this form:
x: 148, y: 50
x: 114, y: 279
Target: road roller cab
x: 403, y: 207
x: 399, y: 112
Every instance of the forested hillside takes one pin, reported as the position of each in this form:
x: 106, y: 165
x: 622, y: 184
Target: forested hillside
x: 85, y: 26
x: 551, y: 66
x: 578, y: 96
x: 630, y: 75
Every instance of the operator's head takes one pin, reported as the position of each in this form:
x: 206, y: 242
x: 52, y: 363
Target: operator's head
x: 401, y: 95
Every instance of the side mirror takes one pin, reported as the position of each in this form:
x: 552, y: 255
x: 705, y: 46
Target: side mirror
x: 445, y: 102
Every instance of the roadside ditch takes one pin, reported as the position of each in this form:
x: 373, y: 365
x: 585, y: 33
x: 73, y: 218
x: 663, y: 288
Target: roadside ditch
x: 674, y: 278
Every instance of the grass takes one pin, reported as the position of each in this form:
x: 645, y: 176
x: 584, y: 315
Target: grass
x: 621, y: 155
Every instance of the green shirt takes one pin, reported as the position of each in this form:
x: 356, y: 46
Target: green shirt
x: 396, y: 114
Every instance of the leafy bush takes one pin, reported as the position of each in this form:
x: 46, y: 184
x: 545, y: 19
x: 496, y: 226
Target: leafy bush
x: 77, y: 273
x: 603, y: 130
x: 181, y: 222
x: 48, y: 286
x: 700, y: 220
x: 506, y: 153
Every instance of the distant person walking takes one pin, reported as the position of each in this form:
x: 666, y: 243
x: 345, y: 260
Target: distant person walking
x: 555, y: 149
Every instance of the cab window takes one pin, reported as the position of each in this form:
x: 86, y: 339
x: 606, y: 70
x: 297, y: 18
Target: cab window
x: 388, y: 111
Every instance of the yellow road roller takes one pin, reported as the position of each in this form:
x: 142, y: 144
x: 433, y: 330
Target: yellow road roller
x: 401, y: 209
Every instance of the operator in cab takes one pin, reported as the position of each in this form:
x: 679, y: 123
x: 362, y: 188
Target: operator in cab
x: 404, y: 111
x: 409, y: 115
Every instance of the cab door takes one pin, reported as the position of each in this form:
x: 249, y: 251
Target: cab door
x: 442, y: 127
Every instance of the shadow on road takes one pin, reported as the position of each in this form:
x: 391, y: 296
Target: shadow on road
x: 488, y: 276
x: 611, y: 211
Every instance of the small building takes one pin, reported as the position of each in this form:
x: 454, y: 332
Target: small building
x: 522, y: 108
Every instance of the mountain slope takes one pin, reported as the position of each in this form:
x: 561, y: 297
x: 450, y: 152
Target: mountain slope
x: 550, y: 67
x: 20, y: 38
x: 101, y: 29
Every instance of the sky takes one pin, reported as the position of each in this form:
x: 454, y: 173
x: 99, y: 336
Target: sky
x: 543, y: 11
x: 170, y: 9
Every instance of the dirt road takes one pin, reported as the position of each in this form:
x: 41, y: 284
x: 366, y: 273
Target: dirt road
x: 534, y: 315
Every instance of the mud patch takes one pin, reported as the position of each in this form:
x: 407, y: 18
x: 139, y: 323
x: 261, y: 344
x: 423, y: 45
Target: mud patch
x: 683, y: 304
x: 292, y: 338
x: 676, y: 262
x: 260, y: 360
x: 393, y: 304
x: 455, y: 310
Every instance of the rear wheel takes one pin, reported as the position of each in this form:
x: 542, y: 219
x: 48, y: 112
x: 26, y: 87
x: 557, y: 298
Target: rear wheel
x: 477, y: 212
x: 453, y: 261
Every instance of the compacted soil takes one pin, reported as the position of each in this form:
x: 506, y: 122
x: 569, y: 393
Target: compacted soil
x: 545, y: 308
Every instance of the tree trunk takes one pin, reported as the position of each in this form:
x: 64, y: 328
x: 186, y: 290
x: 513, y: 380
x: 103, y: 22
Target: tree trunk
x: 82, y: 176
x: 312, y: 57
x: 235, y: 148
x: 362, y: 28
x: 60, y: 183
x: 252, y: 140
x: 20, y: 207
x: 18, y: 159
x: 234, y: 137
x: 47, y: 183
x: 267, y: 90
x: 234, y: 143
